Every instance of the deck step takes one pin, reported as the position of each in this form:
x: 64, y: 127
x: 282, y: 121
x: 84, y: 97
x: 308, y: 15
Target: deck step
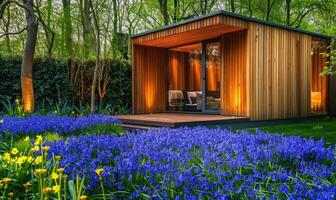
x: 135, y: 126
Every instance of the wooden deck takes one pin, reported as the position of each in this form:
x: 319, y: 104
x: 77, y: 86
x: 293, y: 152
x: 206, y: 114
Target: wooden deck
x: 178, y: 119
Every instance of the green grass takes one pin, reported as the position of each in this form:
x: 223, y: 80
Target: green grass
x: 317, y: 128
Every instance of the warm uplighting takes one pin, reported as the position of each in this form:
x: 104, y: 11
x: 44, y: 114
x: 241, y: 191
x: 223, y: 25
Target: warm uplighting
x: 27, y: 94
x: 150, y: 95
x: 316, y: 101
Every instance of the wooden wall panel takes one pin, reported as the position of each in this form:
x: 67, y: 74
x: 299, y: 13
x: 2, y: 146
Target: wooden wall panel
x: 233, y: 74
x: 279, y: 73
x: 149, y: 79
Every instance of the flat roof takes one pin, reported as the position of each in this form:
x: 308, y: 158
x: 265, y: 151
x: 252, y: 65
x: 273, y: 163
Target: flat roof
x: 221, y: 12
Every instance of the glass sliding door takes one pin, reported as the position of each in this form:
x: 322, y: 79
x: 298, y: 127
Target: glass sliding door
x: 194, y: 77
x: 211, y: 63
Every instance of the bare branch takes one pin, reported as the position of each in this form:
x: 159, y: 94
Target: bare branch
x: 15, y: 33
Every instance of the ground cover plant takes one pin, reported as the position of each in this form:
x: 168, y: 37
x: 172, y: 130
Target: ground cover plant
x: 63, y: 125
x: 184, y: 163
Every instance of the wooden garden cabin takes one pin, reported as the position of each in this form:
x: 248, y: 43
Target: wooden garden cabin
x: 231, y: 65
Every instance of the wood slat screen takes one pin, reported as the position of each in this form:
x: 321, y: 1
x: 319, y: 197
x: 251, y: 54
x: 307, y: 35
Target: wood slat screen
x: 234, y: 73
x: 149, y: 79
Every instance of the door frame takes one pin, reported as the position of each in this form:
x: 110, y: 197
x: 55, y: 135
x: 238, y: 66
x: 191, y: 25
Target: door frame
x: 203, y: 78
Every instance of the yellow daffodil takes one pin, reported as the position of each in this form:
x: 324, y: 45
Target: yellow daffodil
x: 99, y: 171
x: 38, y: 140
x: 56, y: 188
x: 39, y: 137
x: 6, y: 180
x: 47, y: 190
x: 21, y: 160
x: 60, y: 170
x: 35, y: 148
x: 83, y: 197
x: 14, y: 151
x: 45, y: 149
x: 7, y: 157
x: 38, y: 160
x: 17, y: 101
x: 27, y: 185
x: 40, y: 171
x: 10, y: 195
x: 58, y: 158
x: 27, y: 139
x: 54, y: 176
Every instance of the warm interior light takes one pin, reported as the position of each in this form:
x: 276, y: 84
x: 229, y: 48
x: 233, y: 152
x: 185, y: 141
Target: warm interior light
x: 316, y: 101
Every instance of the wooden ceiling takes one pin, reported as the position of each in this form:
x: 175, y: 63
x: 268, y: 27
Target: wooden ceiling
x: 189, y: 48
x: 189, y: 37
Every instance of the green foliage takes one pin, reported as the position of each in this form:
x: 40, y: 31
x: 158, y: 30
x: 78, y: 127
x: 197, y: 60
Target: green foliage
x: 22, y: 144
x: 54, y: 93
x: 50, y: 79
x: 331, y: 57
x: 103, y: 129
x: 10, y: 109
x: 51, y: 137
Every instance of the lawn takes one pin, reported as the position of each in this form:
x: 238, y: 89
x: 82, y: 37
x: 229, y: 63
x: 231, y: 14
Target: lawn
x: 317, y: 128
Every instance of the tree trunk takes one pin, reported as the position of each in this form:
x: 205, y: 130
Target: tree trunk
x: 268, y: 10
x: 164, y: 11
x: 28, y: 58
x: 250, y: 8
x: 115, y: 30
x: 95, y: 73
x: 176, y: 10
x: 88, y: 36
x: 7, y: 25
x: 204, y: 6
x: 67, y: 27
x: 288, y: 2
x: 232, y: 6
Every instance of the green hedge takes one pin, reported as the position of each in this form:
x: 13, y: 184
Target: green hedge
x: 51, y: 81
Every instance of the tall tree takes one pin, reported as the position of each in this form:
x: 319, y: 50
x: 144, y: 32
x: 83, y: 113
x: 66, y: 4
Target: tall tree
x: 95, y: 73
x: 288, y: 11
x: 164, y: 11
x: 29, y: 50
x: 67, y: 27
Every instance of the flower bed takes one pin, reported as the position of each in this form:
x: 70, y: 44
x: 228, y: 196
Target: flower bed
x: 186, y: 163
x: 61, y: 124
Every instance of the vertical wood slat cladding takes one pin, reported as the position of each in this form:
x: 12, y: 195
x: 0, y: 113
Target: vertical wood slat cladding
x: 279, y: 73
x: 149, y: 79
x: 233, y: 74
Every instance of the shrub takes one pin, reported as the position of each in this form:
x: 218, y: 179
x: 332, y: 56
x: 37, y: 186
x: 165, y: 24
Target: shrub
x: 54, y: 83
